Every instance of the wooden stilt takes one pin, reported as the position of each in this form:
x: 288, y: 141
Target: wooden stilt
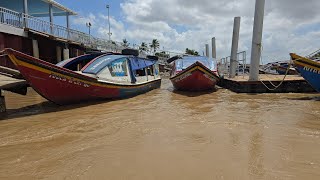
x: 2, y: 104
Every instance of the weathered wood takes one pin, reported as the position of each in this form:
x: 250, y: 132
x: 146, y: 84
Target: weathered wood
x: 10, y: 72
x: 2, y: 104
x: 14, y: 85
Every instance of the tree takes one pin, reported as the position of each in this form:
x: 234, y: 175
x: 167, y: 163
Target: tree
x: 143, y: 47
x: 162, y: 54
x: 192, y: 52
x: 155, y: 45
x: 125, y: 43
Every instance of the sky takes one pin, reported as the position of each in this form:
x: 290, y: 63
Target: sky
x: 289, y: 25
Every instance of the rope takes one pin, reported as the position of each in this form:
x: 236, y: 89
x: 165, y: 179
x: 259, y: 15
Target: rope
x: 274, y: 86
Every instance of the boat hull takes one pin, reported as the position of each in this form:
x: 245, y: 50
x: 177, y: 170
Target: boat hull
x: 309, y: 70
x: 63, y: 86
x: 195, y: 78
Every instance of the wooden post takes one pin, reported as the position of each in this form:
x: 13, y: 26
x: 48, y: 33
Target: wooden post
x: 2, y: 104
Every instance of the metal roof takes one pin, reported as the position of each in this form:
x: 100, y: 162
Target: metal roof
x: 38, y: 8
x: 61, y: 7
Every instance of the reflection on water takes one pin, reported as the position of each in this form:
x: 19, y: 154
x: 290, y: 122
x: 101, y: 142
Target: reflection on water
x: 163, y: 134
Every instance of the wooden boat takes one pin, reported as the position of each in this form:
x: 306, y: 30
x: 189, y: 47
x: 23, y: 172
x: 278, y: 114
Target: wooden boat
x: 88, y: 77
x: 193, y: 73
x: 309, y: 70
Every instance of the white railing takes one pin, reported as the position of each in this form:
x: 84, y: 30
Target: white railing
x: 224, y: 64
x: 21, y: 20
x: 11, y: 18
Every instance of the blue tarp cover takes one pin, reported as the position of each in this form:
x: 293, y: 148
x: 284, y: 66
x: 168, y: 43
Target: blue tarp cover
x: 140, y: 63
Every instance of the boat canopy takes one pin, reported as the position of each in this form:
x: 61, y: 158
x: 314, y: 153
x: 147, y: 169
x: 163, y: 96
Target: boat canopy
x: 140, y: 63
x: 102, y: 62
x: 187, y: 61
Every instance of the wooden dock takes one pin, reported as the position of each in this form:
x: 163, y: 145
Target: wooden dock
x: 11, y: 84
x: 291, y: 84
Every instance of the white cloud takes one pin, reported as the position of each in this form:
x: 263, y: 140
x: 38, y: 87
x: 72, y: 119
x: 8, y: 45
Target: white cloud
x: 180, y: 24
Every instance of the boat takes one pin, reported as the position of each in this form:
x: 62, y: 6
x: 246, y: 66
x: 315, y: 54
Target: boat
x: 193, y: 73
x: 89, y: 77
x: 282, y: 68
x: 309, y: 70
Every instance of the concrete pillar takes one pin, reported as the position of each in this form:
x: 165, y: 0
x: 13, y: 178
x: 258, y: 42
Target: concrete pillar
x: 25, y: 11
x: 65, y: 53
x: 35, y: 48
x: 51, y: 18
x: 234, y: 47
x: 2, y: 104
x: 207, y: 50
x: 214, y: 49
x: 59, y: 53
x: 256, y: 40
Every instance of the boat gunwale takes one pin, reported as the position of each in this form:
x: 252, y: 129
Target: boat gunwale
x: 196, y: 66
x: 66, y: 72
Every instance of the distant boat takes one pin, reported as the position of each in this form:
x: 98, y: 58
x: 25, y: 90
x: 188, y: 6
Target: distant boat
x: 88, y: 77
x: 309, y: 70
x: 193, y: 73
x: 282, y: 68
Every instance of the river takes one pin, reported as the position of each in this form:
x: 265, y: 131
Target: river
x: 163, y: 134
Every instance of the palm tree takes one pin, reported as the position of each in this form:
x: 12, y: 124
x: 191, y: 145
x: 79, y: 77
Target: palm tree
x: 143, y: 47
x: 155, y: 45
x: 125, y: 43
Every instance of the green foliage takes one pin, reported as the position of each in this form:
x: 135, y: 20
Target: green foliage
x: 162, y: 54
x: 125, y: 43
x: 192, y: 52
x: 155, y: 45
x: 143, y: 47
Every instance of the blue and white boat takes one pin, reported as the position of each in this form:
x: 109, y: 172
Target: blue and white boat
x: 309, y: 70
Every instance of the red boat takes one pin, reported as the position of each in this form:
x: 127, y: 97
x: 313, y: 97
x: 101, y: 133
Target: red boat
x: 88, y: 77
x: 193, y: 73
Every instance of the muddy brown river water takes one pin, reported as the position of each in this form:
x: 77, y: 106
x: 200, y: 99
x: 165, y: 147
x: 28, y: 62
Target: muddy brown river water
x: 163, y: 134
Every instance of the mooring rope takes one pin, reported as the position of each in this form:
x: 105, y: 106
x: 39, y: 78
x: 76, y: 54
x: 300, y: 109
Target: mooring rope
x: 274, y: 86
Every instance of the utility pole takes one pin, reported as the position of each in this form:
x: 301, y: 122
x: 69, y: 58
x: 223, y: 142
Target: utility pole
x: 109, y: 33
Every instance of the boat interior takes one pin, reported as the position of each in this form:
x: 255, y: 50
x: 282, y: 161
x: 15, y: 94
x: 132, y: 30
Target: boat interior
x: 114, y: 68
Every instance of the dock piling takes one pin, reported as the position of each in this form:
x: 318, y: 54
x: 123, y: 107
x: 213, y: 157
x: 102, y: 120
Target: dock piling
x: 207, y: 50
x: 234, y: 47
x: 256, y: 40
x: 214, y: 49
